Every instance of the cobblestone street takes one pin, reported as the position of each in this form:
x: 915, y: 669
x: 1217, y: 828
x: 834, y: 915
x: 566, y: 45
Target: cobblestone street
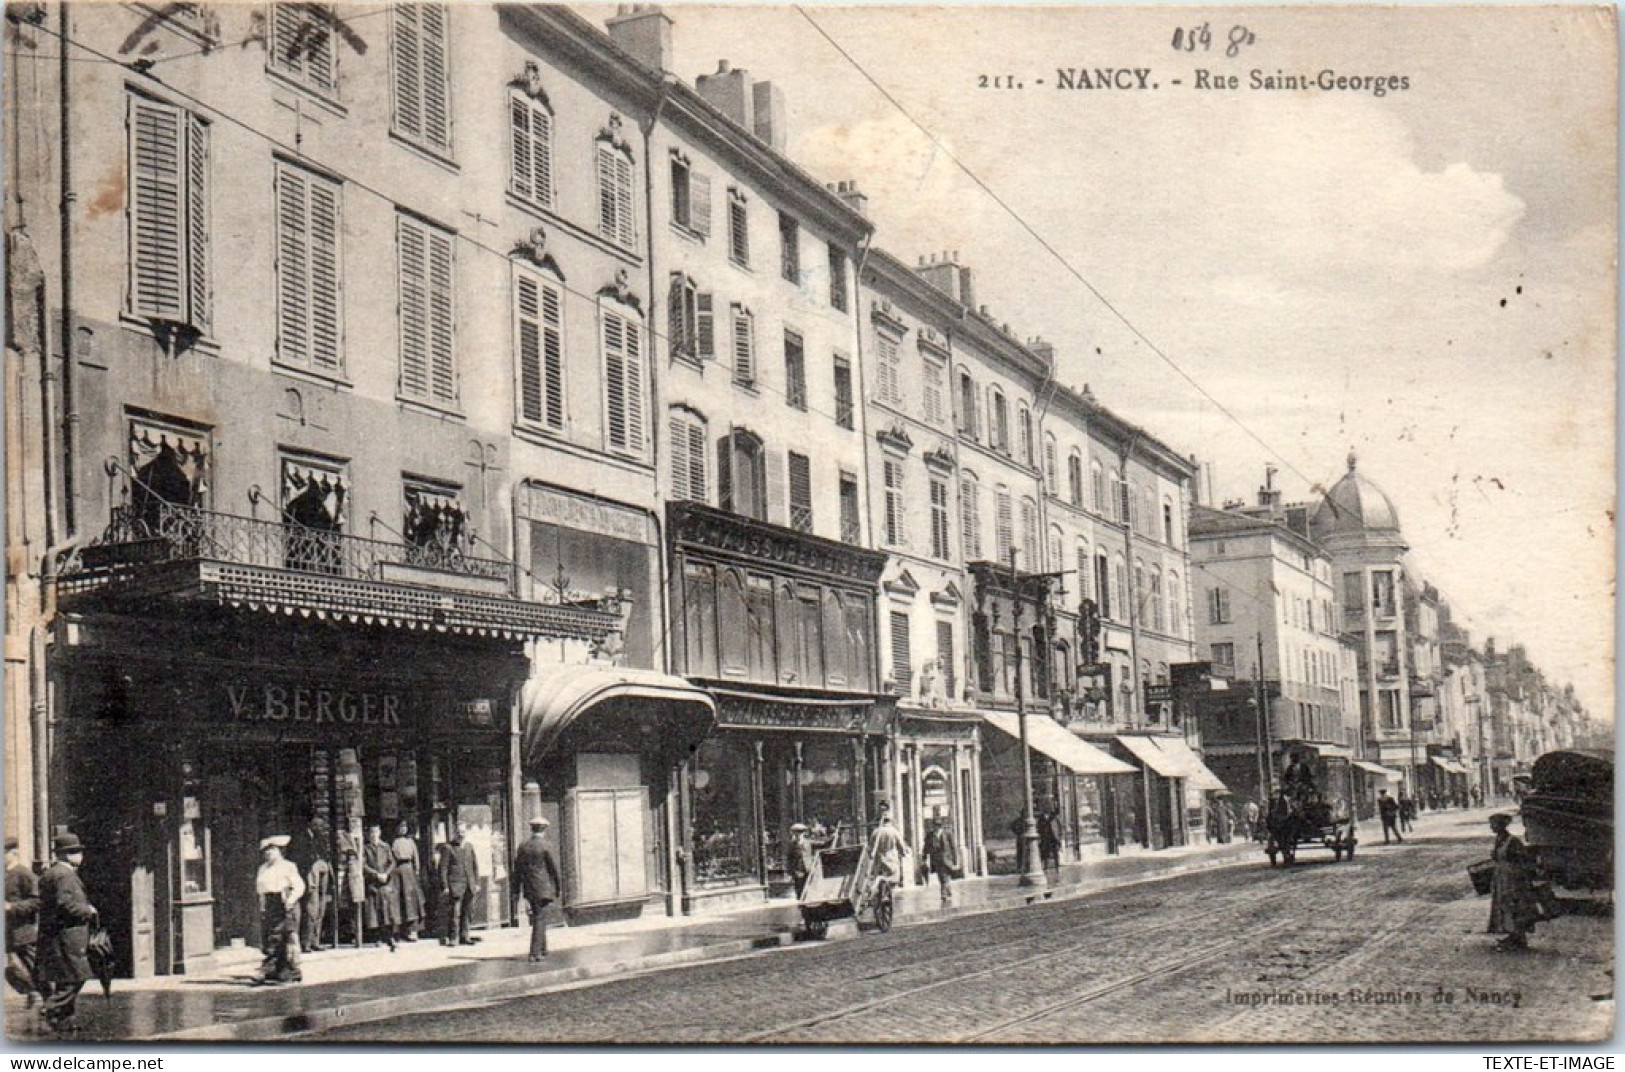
x: 1388, y: 948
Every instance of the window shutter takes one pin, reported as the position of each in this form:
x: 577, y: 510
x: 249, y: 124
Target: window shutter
x: 744, y: 347
x: 967, y: 519
x: 436, y: 96
x: 541, y: 155
x: 519, y: 132
x: 615, y: 378
x: 677, y: 336
x: 286, y: 53
x: 801, y: 511
x: 705, y: 327
x: 553, y: 353
x: 158, y: 284
x: 293, y: 266
x: 634, y: 387
x: 626, y: 230
x: 738, y: 232
x: 696, y: 460
x: 725, y: 472
x: 414, y: 308
x: 902, y: 669
x: 327, y: 333
x: 699, y: 203
x: 407, y: 41
x: 606, y: 191
x: 442, y: 350
x: 528, y: 317
x: 321, y: 70
x: 773, y: 463
x: 681, y: 463
x: 1003, y: 524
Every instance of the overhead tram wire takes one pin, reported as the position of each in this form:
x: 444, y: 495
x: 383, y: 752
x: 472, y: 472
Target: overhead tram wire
x: 1046, y: 244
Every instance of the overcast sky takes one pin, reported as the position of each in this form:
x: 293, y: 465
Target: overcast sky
x: 1426, y: 276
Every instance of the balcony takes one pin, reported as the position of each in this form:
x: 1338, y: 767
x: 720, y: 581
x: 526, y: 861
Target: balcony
x: 186, y: 553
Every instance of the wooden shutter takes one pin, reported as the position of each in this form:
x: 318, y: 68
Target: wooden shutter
x: 442, y: 347
x: 414, y: 307
x: 326, y: 225
x: 677, y: 334
x: 677, y: 428
x: 775, y: 486
x: 699, y: 203
x: 521, y: 170
x: 302, y: 45
x: 406, y: 39
x: 705, y: 326
x: 539, y: 318
x: 626, y: 231
x: 541, y: 155
x: 738, y: 231
x: 801, y: 508
x: 553, y: 353
x: 606, y: 191
x: 197, y: 221
x: 634, y: 386
x: 156, y: 211
x: 744, y: 347
x: 1002, y: 523
x: 901, y: 667
x: 623, y: 382
x: 945, y: 658
x: 293, y: 267
x: 725, y: 472
x: 436, y: 88
x: 967, y: 520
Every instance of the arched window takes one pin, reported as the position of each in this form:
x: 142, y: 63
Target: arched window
x: 1003, y: 524
x: 1097, y: 482
x: 687, y: 429
x: 1024, y: 429
x: 742, y: 474
x: 1030, y: 546
x: 1074, y: 478
x: 1056, y: 553
x: 1050, y: 479
x: 1118, y: 494
x: 1168, y: 520
x: 998, y: 420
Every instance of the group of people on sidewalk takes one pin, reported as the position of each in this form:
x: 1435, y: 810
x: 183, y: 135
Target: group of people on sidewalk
x: 49, y: 920
x: 939, y: 855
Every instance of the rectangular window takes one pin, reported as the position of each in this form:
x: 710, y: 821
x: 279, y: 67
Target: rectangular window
x: 617, y: 218
x: 939, y: 518
x: 795, y: 371
x: 301, y: 46
x: 744, y: 347
x: 999, y: 423
x: 539, y: 346
x: 970, y: 521
x: 888, y: 370
x: 946, y: 663
x: 1382, y: 592
x: 843, y: 392
x: 422, y: 92
x: 967, y: 405
x: 705, y: 329
x: 169, y: 215
x: 700, y: 618
x: 688, y: 456
x: 902, y: 670
x: 934, y: 394
x: 801, y: 502
x: 1218, y: 606
x: 851, y: 530
x: 1224, y: 657
x: 530, y: 138
x: 622, y: 340
x: 1103, y: 586
x: 690, y: 197
x: 1074, y: 480
x: 837, y: 278
x: 789, y: 248
x: 738, y: 229
x: 682, y: 317
x: 309, y: 332
x: 896, y: 533
x: 428, y: 369
x: 1391, y: 711
x: 1029, y: 537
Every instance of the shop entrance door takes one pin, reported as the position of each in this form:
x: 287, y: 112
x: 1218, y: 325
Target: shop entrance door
x: 249, y: 793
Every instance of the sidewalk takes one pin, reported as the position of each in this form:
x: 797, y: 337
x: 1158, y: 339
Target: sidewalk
x: 348, y: 986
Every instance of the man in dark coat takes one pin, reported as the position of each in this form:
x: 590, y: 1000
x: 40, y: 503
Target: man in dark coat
x: 22, y: 923
x: 459, y: 871
x: 538, y: 876
x: 940, y: 856
x: 65, y: 917
x: 1388, y: 810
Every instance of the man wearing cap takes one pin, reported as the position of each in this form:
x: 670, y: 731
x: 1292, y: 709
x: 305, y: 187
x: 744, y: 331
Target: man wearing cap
x: 279, y: 888
x: 22, y: 923
x: 539, y: 881
x: 941, y: 856
x: 65, y: 916
x: 800, y: 856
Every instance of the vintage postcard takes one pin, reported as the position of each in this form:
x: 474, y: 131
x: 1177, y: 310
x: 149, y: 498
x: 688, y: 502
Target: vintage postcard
x: 963, y: 524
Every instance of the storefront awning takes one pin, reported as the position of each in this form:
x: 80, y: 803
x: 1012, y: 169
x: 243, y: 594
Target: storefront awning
x: 1330, y: 751
x: 1379, y: 770
x: 548, y: 705
x: 1449, y: 766
x: 1195, y: 771
x: 1155, y: 759
x: 1058, y: 743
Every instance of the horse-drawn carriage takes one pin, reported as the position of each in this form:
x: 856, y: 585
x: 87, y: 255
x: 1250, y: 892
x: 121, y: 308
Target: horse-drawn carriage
x: 1294, y: 821
x: 1568, y: 819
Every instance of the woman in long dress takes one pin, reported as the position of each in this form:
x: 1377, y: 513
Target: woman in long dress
x: 382, y: 910
x: 409, y: 890
x: 1514, y: 908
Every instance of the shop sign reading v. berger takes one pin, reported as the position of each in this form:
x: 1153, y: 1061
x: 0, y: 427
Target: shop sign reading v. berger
x: 305, y: 703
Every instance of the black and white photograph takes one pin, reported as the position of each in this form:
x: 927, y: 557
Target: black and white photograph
x: 681, y: 525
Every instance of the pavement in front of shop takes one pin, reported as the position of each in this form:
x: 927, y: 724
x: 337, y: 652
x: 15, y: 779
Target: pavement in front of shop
x: 346, y: 986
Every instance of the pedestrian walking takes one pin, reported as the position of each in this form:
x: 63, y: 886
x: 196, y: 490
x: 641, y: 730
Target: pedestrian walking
x: 799, y: 856
x: 1388, y: 810
x: 459, y: 872
x: 887, y: 849
x: 1049, y: 839
x: 22, y: 924
x: 1250, y: 813
x: 941, y: 856
x: 352, y: 884
x: 539, y: 881
x: 309, y: 851
x: 65, y: 919
x: 408, y: 881
x: 280, y: 889
x: 1407, y: 812
x: 382, y: 909
x: 1514, y: 905
x: 1227, y: 822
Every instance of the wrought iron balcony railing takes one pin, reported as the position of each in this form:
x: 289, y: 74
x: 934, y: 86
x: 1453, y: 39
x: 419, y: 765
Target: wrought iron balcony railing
x: 167, y: 533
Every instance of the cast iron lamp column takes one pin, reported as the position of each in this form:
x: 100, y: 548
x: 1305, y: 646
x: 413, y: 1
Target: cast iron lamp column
x: 1032, y: 870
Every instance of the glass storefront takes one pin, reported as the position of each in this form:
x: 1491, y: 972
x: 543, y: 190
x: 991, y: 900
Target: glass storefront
x: 723, y: 834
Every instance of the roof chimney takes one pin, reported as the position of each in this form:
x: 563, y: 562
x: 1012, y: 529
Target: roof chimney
x: 770, y: 123
x: 644, y: 31
x: 949, y: 276
x: 729, y: 92
x: 1269, y: 496
x: 1043, y: 348
x: 856, y: 200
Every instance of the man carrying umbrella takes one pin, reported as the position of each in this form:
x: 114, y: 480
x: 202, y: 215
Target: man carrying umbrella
x: 65, y: 918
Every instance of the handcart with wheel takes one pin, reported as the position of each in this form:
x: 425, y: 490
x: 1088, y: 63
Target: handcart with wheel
x: 843, y: 885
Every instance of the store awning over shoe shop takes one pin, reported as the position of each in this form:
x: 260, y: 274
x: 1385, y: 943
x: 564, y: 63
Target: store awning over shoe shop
x: 1155, y: 759
x: 677, y: 714
x: 1055, y: 741
x: 1194, y: 770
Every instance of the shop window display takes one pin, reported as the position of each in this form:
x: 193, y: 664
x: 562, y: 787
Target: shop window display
x: 723, y: 843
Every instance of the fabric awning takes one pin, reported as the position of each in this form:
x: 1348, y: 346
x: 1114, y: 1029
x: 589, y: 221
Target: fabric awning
x: 1379, y: 770
x: 1058, y: 743
x: 1450, y: 765
x: 1146, y: 751
x: 1197, y: 772
x: 1331, y: 751
x: 548, y: 705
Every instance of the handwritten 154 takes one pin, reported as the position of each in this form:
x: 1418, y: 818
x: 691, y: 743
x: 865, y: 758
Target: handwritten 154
x: 1200, y: 39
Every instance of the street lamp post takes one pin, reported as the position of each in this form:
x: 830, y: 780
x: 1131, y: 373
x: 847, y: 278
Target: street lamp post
x: 1032, y: 869
x: 1477, y: 703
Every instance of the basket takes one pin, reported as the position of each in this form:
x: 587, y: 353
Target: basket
x: 1483, y: 876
